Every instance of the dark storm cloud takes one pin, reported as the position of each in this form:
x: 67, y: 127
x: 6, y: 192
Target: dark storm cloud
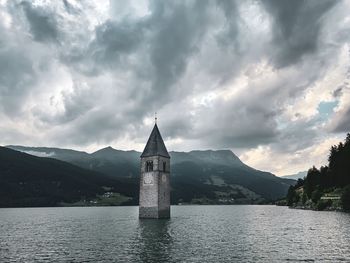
x: 229, y: 35
x: 338, y: 92
x: 177, y: 32
x: 168, y: 37
x: 342, y: 123
x: 17, y: 74
x: 16, y: 78
x: 249, y: 123
x: 247, y: 128
x: 69, y: 8
x: 296, y: 27
x: 111, y: 48
x: 113, y: 40
x: 116, y: 69
x: 158, y: 47
x: 154, y: 50
x: 89, y: 126
x: 76, y: 103
x: 42, y: 24
x: 103, y: 124
x: 251, y: 117
x: 299, y: 135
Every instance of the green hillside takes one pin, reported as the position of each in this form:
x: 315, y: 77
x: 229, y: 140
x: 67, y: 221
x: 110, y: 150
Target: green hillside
x: 196, y: 176
x: 327, y: 188
x: 27, y: 180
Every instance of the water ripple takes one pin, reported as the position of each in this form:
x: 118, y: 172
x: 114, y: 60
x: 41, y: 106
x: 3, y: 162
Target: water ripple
x: 193, y: 234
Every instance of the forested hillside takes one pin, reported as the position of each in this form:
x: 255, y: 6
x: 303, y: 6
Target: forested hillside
x: 201, y: 177
x: 27, y: 180
x: 327, y: 187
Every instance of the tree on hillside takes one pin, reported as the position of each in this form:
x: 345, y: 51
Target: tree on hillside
x: 325, y: 180
x: 335, y: 175
x: 345, y: 199
x: 339, y: 163
x: 312, y: 180
x: 292, y: 196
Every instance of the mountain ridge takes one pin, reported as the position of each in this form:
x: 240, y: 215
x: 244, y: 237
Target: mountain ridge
x: 27, y: 180
x: 196, y: 175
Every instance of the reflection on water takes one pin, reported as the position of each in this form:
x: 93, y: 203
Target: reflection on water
x: 155, y: 240
x: 193, y: 234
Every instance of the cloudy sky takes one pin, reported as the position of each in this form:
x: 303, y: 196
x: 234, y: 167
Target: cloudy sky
x: 267, y: 79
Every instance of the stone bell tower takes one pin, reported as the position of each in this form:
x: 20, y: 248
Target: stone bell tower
x: 155, y: 178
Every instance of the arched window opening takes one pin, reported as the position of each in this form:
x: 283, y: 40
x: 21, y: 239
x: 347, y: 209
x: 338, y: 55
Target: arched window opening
x: 149, y: 166
x: 164, y: 166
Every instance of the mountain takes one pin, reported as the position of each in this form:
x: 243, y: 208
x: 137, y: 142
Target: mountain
x: 196, y: 176
x: 27, y: 180
x: 108, y: 161
x: 297, y: 176
x: 226, y: 176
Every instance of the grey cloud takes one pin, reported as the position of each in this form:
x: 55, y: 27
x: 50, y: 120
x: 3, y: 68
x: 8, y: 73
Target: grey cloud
x: 178, y: 125
x: 342, y: 121
x: 101, y: 125
x: 169, y: 35
x: 16, y: 78
x: 134, y: 65
x: 239, y: 124
x: 80, y: 101
x: 113, y: 40
x: 69, y: 8
x: 338, y: 92
x: 296, y: 27
x: 228, y: 37
x: 155, y: 49
x: 178, y: 29
x: 296, y: 136
x: 43, y: 25
x: 88, y: 128
x: 251, y: 117
x: 11, y: 134
x: 21, y: 65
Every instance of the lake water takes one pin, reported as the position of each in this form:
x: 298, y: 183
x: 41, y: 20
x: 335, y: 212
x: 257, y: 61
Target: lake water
x: 193, y: 234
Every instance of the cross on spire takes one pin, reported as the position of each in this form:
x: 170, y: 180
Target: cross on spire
x: 155, y: 117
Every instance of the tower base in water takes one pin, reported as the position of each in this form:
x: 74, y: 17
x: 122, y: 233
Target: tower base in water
x: 153, y: 212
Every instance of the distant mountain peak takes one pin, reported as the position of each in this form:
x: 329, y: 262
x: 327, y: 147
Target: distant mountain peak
x: 299, y: 175
x: 109, y: 148
x: 105, y: 150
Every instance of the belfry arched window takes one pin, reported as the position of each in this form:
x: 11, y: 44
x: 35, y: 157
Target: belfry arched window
x: 149, y: 166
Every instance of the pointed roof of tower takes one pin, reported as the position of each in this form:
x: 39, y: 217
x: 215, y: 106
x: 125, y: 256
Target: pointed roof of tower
x: 155, y: 145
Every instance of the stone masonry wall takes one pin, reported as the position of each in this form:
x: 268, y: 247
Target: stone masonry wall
x: 155, y: 196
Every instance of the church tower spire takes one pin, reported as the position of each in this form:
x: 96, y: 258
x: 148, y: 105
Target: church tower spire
x: 155, y: 178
